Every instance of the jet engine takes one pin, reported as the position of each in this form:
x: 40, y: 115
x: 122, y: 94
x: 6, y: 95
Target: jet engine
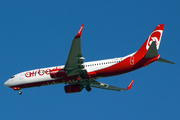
x: 57, y: 73
x: 73, y: 88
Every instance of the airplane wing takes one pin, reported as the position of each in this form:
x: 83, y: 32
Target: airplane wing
x: 74, y: 63
x: 109, y: 87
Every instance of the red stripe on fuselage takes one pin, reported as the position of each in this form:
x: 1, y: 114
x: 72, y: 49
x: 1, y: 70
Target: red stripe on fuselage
x: 125, y: 66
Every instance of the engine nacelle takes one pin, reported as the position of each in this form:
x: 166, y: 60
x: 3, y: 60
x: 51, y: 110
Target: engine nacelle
x: 73, y: 88
x: 57, y: 73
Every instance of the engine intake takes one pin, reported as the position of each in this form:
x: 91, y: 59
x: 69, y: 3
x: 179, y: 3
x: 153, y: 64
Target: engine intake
x: 73, y: 88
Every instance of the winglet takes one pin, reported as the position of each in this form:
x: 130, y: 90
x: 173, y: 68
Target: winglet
x: 79, y: 32
x: 130, y: 84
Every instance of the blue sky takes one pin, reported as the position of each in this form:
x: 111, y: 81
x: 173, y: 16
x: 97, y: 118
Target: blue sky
x: 37, y: 34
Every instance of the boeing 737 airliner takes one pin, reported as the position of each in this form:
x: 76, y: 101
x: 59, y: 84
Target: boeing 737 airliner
x: 77, y: 74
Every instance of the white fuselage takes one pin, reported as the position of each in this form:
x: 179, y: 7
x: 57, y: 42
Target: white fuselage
x: 43, y: 74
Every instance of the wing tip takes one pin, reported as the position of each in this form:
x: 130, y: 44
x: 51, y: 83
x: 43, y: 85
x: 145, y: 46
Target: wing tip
x: 78, y: 35
x: 130, y: 84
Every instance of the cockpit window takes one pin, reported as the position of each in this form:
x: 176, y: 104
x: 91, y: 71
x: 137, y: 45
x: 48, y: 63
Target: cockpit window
x: 12, y: 76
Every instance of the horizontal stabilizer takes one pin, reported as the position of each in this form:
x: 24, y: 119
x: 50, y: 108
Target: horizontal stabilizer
x: 164, y: 61
x: 152, y: 51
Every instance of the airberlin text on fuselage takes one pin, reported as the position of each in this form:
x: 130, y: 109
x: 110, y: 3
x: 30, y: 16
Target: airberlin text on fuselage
x: 40, y: 72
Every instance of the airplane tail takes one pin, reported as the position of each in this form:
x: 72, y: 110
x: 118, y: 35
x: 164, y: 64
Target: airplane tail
x: 154, y: 36
x: 150, y: 47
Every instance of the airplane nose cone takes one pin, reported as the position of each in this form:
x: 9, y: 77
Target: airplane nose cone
x: 6, y: 84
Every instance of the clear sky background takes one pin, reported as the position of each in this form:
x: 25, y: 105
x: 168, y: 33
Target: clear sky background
x: 37, y: 34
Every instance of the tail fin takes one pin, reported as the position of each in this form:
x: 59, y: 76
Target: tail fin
x: 154, y: 38
x: 150, y: 47
x: 152, y: 51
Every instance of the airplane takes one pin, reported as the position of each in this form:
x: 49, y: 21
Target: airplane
x: 77, y: 74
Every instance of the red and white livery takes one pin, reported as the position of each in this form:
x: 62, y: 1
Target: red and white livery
x: 77, y: 74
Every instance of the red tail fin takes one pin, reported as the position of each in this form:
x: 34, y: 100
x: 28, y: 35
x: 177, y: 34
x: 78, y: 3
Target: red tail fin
x: 154, y: 36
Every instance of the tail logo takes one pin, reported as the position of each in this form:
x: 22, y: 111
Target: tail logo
x: 155, y: 36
